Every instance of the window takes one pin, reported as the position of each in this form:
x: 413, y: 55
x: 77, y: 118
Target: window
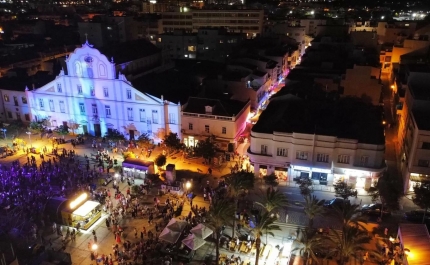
x: 27, y: 117
x: 15, y: 101
x: 41, y: 103
x: 82, y: 107
x: 425, y: 145
x: 107, y: 111
x: 191, y: 48
x: 264, y: 149
x: 281, y: 152
x: 224, y: 130
x: 80, y: 89
x: 302, y: 155
x: 423, y: 163
x: 92, y: 91
x: 155, y: 116
x: 322, y: 158
x: 62, y: 108
x: 9, y: 115
x: 142, y: 114
x: 18, y: 116
x: 106, y: 92
x: 172, y: 119
x: 364, y: 160
x: 94, y: 107
x: 24, y: 100
x: 128, y: 94
x: 6, y: 98
x: 207, y: 128
x: 51, y: 105
x: 190, y: 126
x: 130, y: 114
x: 59, y: 88
x: 343, y: 159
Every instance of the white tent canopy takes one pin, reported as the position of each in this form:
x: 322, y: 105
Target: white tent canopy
x: 169, y: 235
x: 201, y: 231
x: 193, y: 242
x: 176, y: 225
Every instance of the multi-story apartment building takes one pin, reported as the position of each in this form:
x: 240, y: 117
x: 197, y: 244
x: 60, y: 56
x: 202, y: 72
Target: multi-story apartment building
x: 311, y: 25
x: 89, y: 93
x: 214, y: 44
x: 246, y: 21
x: 414, y: 127
x: 224, y: 119
x: 325, y: 140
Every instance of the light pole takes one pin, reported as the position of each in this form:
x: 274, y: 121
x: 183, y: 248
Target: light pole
x: 188, y: 185
x: 29, y: 138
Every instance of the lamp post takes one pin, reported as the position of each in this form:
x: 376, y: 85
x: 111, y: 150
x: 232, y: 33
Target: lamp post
x: 29, y: 138
x: 188, y: 185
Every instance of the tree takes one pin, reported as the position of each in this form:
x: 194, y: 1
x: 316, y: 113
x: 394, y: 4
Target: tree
x: 62, y: 130
x: 350, y: 243
x: 114, y: 135
x: 265, y: 225
x: 220, y: 213
x: 309, y: 243
x: 271, y: 179
x: 313, y: 208
x: 73, y: 125
x: 206, y: 149
x: 144, y: 141
x: 422, y: 197
x: 348, y: 215
x: 238, y: 185
x: 160, y: 160
x: 273, y: 200
x: 36, y: 126
x: 172, y: 142
x: 305, y: 186
x: 343, y: 190
x: 388, y: 190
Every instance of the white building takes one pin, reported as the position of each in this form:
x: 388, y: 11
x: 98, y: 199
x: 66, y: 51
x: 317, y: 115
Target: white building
x: 323, y: 140
x: 224, y: 119
x: 89, y: 93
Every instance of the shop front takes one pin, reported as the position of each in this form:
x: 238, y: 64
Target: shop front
x: 321, y: 176
x: 358, y: 179
x: 281, y: 173
x: 190, y: 141
x: 416, y: 179
x: 81, y: 212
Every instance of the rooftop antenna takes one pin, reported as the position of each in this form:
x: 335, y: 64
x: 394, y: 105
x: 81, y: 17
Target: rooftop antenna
x: 86, y: 37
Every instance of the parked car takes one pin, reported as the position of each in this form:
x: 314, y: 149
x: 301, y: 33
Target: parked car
x: 375, y: 209
x: 335, y: 203
x: 417, y: 216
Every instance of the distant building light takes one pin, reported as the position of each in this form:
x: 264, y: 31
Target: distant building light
x: 186, y: 55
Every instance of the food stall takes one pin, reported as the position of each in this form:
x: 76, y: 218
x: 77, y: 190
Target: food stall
x: 137, y: 168
x: 81, y: 212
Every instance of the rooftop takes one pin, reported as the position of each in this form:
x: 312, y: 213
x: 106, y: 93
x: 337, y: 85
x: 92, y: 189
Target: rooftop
x: 227, y: 108
x: 348, y: 118
x: 421, y: 118
x: 129, y: 51
x: 419, y: 90
x: 14, y: 83
x: 415, y: 237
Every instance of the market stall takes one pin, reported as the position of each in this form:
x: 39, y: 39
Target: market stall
x: 81, y: 212
x: 137, y: 168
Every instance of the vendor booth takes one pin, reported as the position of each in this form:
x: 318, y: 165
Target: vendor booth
x: 137, y: 168
x: 81, y: 212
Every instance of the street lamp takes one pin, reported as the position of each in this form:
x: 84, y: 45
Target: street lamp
x: 29, y: 138
x: 188, y: 185
x: 94, y: 247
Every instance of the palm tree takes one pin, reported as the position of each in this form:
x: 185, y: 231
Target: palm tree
x: 348, y: 215
x: 220, y: 213
x: 313, y: 208
x: 350, y: 243
x: 308, y: 244
x: 265, y: 225
x: 273, y: 199
x: 237, y: 185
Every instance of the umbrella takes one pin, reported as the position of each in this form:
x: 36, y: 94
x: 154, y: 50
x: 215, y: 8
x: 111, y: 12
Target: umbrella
x: 193, y: 242
x: 176, y: 225
x: 201, y: 231
x: 169, y: 235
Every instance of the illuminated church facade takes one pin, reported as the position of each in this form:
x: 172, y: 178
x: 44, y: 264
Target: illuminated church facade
x: 89, y: 97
